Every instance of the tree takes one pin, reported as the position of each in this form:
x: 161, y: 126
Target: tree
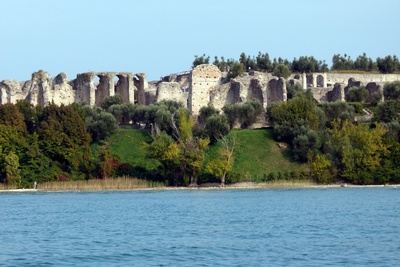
x: 263, y: 62
x: 216, y: 127
x: 205, y: 112
x: 166, y: 150
x: 111, y: 100
x: 341, y: 62
x: 388, y: 111
x: 223, y: 164
x: 99, y: 123
x: 364, y: 63
x: 294, y: 90
x: 360, y: 149
x: 191, y: 148
x: 232, y: 113
x: 11, y: 116
x: 388, y: 64
x: 282, y: 70
x: 320, y: 169
x: 304, y: 143
x: 308, y: 64
x: 63, y: 136
x: 235, y: 69
x: 198, y: 60
x: 337, y: 110
x: 30, y: 114
x: 357, y: 94
x: 248, y: 112
x: 391, y: 91
x: 12, y: 171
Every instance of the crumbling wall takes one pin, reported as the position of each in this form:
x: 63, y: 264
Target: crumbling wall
x: 374, y: 89
x: 171, y: 91
x: 276, y: 91
x: 41, y: 89
x: 336, y: 94
x: 256, y: 91
x: 61, y: 92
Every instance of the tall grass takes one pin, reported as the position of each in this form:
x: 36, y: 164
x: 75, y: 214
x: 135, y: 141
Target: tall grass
x: 122, y: 183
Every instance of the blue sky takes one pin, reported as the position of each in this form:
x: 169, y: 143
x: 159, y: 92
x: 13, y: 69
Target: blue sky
x: 160, y: 37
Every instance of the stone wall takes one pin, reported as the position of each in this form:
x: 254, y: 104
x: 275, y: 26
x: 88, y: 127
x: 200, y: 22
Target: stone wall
x: 203, y: 79
x: 41, y: 89
x: 204, y: 85
x: 172, y: 91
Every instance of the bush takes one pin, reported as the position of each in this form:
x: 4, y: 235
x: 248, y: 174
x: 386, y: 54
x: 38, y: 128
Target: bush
x: 281, y: 70
x: 217, y: 127
x: 357, y: 94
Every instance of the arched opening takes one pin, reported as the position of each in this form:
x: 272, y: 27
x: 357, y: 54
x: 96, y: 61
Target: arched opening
x: 320, y: 81
x: 96, y: 81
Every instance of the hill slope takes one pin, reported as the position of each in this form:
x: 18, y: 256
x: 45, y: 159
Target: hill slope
x: 256, y: 152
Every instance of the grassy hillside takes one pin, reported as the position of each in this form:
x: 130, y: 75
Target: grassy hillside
x: 256, y: 153
x: 128, y: 145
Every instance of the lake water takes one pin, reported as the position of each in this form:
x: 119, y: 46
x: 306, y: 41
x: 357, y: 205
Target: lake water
x: 258, y: 227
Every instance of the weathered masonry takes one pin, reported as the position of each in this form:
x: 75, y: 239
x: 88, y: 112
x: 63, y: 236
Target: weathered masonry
x: 203, y: 85
x: 90, y: 88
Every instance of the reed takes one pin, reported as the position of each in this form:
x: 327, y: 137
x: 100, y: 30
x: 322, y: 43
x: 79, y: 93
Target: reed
x: 121, y: 183
x: 286, y: 184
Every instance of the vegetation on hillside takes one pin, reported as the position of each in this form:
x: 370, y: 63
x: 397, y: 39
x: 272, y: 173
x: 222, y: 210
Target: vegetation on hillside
x: 161, y: 143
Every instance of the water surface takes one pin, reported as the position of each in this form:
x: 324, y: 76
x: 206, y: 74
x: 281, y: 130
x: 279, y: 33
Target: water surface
x: 258, y: 227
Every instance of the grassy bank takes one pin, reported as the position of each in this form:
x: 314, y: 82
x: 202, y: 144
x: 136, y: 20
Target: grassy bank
x: 123, y: 183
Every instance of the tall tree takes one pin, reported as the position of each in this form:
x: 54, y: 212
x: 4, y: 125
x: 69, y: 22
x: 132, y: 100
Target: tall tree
x: 360, y: 149
x: 224, y: 162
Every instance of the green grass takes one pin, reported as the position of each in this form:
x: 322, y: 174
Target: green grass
x: 257, y: 154
x: 128, y: 145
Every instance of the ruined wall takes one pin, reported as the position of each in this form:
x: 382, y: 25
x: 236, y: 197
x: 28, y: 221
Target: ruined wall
x: 276, y: 91
x: 203, y: 79
x: 171, y: 91
x: 333, y: 78
x: 204, y: 85
x: 41, y: 89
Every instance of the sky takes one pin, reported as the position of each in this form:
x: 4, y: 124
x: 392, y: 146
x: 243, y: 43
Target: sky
x: 161, y: 37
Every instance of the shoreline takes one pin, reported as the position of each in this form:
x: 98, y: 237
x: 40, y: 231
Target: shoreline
x: 242, y: 185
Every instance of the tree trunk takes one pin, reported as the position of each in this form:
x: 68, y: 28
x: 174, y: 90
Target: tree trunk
x: 223, y: 180
x: 193, y: 181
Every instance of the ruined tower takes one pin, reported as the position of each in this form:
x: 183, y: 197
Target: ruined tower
x: 203, y: 78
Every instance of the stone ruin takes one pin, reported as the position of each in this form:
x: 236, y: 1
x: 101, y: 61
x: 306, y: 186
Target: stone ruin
x: 90, y: 88
x: 203, y: 85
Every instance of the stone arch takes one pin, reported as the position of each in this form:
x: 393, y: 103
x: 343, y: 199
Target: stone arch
x: 320, y: 80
